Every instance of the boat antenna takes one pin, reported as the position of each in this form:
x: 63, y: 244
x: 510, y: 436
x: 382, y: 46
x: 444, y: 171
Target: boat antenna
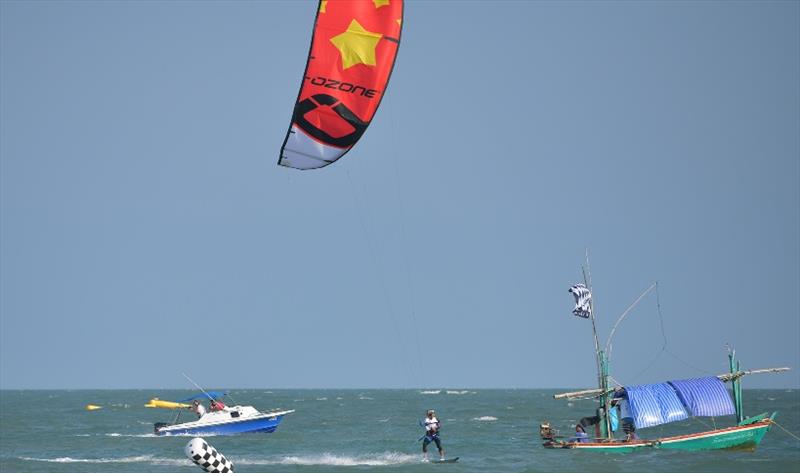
x: 198, y: 387
x: 613, y: 329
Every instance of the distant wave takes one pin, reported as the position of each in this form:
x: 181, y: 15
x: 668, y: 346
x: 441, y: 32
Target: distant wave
x: 430, y: 392
x: 458, y: 392
x: 485, y: 419
x: 376, y: 459
x: 322, y: 399
x: 137, y: 459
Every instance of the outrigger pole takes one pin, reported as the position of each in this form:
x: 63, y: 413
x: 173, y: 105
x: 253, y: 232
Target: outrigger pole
x: 733, y: 376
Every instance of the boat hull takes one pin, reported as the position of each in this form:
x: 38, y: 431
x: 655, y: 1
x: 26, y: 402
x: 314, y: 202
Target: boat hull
x: 261, y: 423
x: 742, y: 437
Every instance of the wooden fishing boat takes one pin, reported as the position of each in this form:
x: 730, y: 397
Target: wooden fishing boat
x: 661, y: 403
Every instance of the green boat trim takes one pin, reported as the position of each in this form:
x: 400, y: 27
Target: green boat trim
x: 741, y: 437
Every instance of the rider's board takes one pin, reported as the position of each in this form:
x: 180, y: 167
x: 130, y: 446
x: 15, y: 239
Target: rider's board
x: 449, y: 460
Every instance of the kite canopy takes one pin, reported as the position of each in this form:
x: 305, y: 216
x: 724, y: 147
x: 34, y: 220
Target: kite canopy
x: 352, y: 54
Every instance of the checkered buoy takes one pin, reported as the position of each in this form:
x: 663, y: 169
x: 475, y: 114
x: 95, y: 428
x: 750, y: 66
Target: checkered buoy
x: 207, y: 457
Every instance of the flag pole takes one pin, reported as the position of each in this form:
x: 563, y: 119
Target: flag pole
x: 594, y: 326
x: 602, y: 363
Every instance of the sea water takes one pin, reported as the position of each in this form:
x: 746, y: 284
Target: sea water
x: 359, y: 430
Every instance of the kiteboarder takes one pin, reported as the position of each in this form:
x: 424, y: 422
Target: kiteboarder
x: 432, y: 426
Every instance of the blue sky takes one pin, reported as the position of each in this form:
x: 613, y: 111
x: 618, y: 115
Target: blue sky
x: 147, y: 231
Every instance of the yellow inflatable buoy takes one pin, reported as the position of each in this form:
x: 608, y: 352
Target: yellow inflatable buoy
x: 92, y: 407
x: 158, y: 403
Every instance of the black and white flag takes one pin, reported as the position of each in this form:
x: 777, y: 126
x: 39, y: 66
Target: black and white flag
x: 583, y: 301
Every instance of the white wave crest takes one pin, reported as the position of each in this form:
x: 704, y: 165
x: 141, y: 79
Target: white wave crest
x: 458, y: 392
x: 485, y: 418
x: 430, y: 392
x: 330, y: 459
x: 149, y: 459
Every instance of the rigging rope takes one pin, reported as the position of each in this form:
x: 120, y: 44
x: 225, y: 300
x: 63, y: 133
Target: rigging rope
x: 379, y: 273
x: 619, y: 385
x: 664, y: 348
x: 404, y: 243
x: 786, y: 430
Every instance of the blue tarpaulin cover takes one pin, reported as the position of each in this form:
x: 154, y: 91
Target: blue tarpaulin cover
x: 208, y: 395
x: 704, y: 396
x: 654, y: 404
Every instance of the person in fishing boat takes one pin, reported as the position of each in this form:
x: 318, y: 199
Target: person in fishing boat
x: 580, y: 435
x: 628, y: 425
x: 432, y: 426
x: 198, y: 408
x: 591, y: 421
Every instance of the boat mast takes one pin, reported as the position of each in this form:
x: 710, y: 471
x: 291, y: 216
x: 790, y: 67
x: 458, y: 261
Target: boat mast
x: 587, y: 283
x: 602, y: 365
x: 736, y: 383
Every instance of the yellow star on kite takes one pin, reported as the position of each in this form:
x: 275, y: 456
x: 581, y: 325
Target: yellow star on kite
x: 380, y: 3
x: 356, y: 45
x: 323, y: 5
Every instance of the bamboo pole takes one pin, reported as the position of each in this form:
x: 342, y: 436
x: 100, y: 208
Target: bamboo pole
x: 722, y: 377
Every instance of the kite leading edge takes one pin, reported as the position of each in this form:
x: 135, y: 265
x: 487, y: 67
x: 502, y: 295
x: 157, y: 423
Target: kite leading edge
x: 352, y: 54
